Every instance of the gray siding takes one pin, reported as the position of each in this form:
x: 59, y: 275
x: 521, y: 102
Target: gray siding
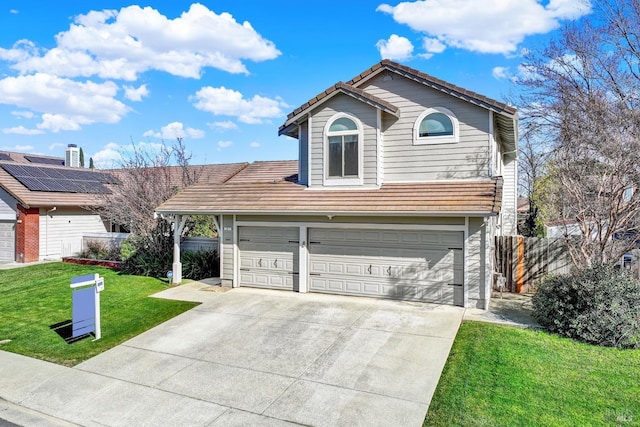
x: 227, y: 249
x: 367, y: 116
x: 404, y: 161
x: 476, y: 264
x: 305, y: 220
x: 303, y: 155
x: 7, y: 205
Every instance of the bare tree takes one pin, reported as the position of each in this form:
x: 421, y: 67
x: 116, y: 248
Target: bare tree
x: 147, y: 178
x: 582, y: 92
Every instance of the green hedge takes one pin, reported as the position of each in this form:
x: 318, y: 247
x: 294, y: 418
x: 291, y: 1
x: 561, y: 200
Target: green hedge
x: 599, y: 306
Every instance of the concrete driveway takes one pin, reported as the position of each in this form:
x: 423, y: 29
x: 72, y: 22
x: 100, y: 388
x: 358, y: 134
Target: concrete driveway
x: 253, y: 357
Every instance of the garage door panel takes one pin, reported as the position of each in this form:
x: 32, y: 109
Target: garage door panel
x: 265, y: 261
x: 268, y: 257
x: 268, y: 234
x: 386, y: 237
x: 404, y: 264
x: 267, y: 279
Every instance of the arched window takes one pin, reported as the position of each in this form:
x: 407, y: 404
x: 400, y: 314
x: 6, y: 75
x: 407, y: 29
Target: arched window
x: 343, y: 138
x: 436, y: 126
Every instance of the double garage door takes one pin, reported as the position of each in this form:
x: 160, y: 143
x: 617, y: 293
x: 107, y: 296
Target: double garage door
x: 399, y: 264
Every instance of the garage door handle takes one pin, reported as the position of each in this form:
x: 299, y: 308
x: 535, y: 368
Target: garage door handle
x: 369, y: 269
x: 455, y: 249
x: 454, y: 284
x: 294, y: 241
x: 260, y: 262
x: 314, y: 274
x: 389, y: 271
x: 315, y: 243
x: 275, y: 263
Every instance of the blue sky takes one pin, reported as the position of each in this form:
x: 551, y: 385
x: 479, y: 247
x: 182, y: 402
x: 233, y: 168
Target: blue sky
x: 224, y: 74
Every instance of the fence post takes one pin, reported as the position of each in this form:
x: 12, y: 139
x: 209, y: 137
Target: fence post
x: 520, y: 268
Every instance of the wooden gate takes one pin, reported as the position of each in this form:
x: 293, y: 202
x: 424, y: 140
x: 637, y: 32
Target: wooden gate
x: 524, y: 261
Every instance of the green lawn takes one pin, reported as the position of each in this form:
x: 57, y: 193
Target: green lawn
x: 505, y: 376
x: 34, y: 298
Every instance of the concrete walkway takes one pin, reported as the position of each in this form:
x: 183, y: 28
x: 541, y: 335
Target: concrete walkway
x: 249, y: 357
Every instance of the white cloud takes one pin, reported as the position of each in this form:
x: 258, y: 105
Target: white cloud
x: 109, y: 157
x: 490, y: 26
x: 122, y: 44
x: 55, y: 146
x: 21, y: 130
x: 395, y: 48
x: 433, y: 45
x: 500, y: 73
x: 112, y: 155
x: 221, y: 101
x: 23, y: 114
x: 65, y: 104
x: 226, y: 125
x: 569, y: 9
x: 255, y: 144
x: 14, y: 11
x: 135, y: 94
x: 175, y: 130
x: 19, y: 148
x: 224, y: 144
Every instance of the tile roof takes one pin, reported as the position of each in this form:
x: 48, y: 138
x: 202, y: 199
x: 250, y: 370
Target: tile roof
x: 23, y: 158
x: 283, y: 197
x: 214, y: 174
x: 45, y: 198
x: 352, y: 88
x: 268, y: 171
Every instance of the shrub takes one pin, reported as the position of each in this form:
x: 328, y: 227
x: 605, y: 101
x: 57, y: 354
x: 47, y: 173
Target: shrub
x: 96, y: 249
x: 148, y: 263
x: 600, y: 306
x: 200, y: 264
x: 150, y: 255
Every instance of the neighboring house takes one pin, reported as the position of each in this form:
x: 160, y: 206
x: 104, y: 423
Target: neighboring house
x: 403, y: 180
x: 46, y: 208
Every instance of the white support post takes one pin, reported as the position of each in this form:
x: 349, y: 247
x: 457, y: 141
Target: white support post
x: 178, y: 225
x: 99, y: 285
x: 303, y: 260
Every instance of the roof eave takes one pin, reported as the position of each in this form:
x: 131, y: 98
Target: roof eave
x: 289, y: 128
x: 332, y: 213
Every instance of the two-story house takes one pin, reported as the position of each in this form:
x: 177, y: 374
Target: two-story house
x: 402, y: 183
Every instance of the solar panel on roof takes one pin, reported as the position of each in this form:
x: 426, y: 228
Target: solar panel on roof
x: 65, y: 180
x: 45, y: 160
x: 5, y: 156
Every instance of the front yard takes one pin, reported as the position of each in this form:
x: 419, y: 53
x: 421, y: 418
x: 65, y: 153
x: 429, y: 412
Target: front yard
x: 34, y: 298
x: 505, y: 376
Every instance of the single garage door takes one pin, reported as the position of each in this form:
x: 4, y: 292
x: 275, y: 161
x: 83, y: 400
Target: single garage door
x: 401, y: 264
x: 7, y: 240
x: 269, y: 257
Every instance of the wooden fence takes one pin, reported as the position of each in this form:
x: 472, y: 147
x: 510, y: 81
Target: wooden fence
x: 524, y: 261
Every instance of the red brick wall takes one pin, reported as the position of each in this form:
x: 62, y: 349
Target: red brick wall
x: 28, y: 234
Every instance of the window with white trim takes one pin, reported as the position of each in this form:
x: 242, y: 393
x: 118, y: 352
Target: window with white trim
x: 436, y: 125
x: 343, y: 146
